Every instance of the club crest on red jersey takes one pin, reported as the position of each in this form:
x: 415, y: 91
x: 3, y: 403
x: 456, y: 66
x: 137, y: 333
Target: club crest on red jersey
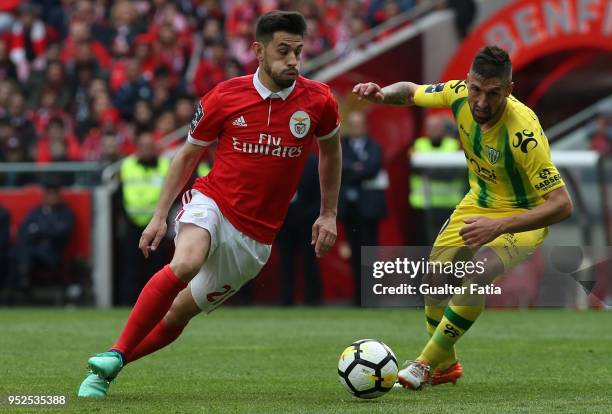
x: 299, y: 124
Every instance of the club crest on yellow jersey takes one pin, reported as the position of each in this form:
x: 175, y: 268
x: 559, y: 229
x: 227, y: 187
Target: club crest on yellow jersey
x: 492, y: 155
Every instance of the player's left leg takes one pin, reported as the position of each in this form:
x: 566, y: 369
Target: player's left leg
x: 449, y: 369
x: 433, y: 316
x: 447, y: 246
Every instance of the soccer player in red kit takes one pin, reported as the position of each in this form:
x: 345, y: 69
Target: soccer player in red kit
x: 264, y: 124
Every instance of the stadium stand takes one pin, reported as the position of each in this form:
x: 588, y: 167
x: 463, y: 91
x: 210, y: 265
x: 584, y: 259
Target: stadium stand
x: 79, y: 80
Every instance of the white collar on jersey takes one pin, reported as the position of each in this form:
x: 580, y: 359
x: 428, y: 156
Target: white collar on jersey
x: 265, y: 93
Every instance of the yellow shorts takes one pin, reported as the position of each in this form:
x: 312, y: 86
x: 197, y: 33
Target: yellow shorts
x: 512, y: 248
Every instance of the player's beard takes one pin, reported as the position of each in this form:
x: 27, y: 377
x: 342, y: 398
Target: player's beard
x: 280, y: 82
x: 481, y: 119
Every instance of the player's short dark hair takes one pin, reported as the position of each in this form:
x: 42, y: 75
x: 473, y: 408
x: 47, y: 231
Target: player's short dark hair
x: 492, y: 62
x: 279, y: 21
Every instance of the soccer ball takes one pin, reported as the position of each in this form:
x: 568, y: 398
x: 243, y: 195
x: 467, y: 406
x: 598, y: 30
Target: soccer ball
x: 367, y: 368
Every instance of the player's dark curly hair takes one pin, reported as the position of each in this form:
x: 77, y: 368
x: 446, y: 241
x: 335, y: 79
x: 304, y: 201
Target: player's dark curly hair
x: 492, y: 62
x: 279, y: 21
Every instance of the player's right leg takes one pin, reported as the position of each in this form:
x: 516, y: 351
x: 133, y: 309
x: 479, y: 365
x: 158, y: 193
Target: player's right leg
x: 169, y: 328
x: 434, y: 312
x: 165, y: 332
x: 192, y: 247
x: 448, y: 247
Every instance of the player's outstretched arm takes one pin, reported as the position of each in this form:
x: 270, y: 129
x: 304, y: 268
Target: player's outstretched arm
x: 557, y: 206
x: 181, y: 168
x: 400, y: 93
x: 324, y: 231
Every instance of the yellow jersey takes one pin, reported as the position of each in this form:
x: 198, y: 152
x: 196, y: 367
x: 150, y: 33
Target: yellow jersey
x: 509, y: 165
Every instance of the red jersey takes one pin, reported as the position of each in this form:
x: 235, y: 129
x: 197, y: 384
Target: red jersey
x: 264, y: 139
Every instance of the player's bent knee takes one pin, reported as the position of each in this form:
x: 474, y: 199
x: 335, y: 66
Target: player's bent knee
x: 192, y: 246
x: 185, y: 268
x: 492, y: 264
x: 435, y: 283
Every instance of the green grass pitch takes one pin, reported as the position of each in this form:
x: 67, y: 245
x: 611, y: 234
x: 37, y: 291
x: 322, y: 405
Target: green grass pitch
x: 270, y: 360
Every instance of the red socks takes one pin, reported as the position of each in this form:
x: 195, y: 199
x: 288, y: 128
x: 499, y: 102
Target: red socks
x: 153, y: 302
x: 162, y: 335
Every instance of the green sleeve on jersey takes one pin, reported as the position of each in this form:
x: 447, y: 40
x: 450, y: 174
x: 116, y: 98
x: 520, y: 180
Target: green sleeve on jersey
x: 440, y: 95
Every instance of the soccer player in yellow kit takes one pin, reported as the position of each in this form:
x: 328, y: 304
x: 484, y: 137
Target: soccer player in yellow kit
x: 516, y: 192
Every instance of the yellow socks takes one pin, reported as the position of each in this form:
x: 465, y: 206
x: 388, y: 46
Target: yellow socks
x: 441, y: 346
x: 433, y: 316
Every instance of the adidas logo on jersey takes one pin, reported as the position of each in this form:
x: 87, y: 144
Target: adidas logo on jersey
x: 240, y: 122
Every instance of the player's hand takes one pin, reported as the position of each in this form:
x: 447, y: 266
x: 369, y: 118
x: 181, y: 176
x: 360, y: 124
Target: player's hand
x: 323, y: 234
x: 479, y: 231
x: 369, y: 91
x: 152, y: 235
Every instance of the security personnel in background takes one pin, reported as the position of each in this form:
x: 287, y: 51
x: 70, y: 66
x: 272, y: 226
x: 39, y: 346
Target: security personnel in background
x: 42, y: 239
x: 142, y: 175
x: 434, y: 193
x: 362, y: 203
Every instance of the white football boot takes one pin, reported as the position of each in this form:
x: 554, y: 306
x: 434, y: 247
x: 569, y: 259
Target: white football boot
x: 414, y: 375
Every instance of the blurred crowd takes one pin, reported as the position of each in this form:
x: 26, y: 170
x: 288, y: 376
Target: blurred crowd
x: 105, y: 80
x: 79, y: 79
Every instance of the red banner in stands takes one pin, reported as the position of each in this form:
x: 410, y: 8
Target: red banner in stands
x: 530, y: 29
x: 19, y: 202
